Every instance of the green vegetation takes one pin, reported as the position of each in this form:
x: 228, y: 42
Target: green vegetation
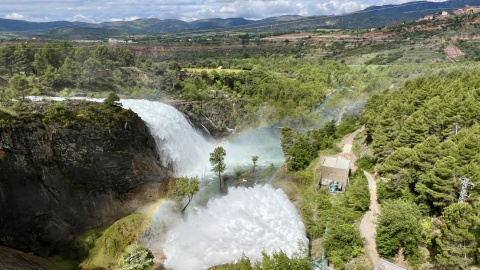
x: 186, y: 187
x: 276, y: 261
x: 424, y: 136
x: 139, y: 259
x: 108, y: 249
x: 218, y: 165
x: 457, y: 240
x: 399, y: 226
x: 342, y: 243
x: 254, y: 161
x: 422, y: 125
x: 300, y: 149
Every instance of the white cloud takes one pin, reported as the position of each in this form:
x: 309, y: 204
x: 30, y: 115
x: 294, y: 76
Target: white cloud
x: 105, y: 10
x: 85, y: 18
x: 133, y: 18
x: 15, y: 16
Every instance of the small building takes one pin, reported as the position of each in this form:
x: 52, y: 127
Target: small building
x: 444, y: 13
x: 115, y: 41
x: 386, y: 265
x: 335, y: 169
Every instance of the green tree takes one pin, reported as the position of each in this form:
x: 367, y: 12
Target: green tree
x: 23, y: 57
x: 53, y: 55
x: 50, y: 76
x: 358, y: 193
x: 217, y: 158
x: 427, y: 153
x: 400, y: 159
x: 414, y: 129
x: 40, y: 63
x: 91, y: 67
x: 69, y: 71
x: 440, y: 186
x: 7, y: 57
x: 342, y: 243
x: 171, y: 77
x: 20, y: 85
x: 139, y: 259
x: 186, y: 187
x: 300, y: 153
x: 254, y: 160
x: 457, y: 242
x: 111, y: 100
x: 286, y: 139
x: 399, y: 226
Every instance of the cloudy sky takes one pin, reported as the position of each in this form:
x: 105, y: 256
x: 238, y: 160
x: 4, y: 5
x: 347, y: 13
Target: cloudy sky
x: 189, y: 10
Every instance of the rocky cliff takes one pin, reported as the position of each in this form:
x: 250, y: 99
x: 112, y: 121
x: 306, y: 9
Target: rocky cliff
x: 66, y: 168
x: 216, y: 117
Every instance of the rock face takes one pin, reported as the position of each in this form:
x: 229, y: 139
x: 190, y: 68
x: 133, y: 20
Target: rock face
x: 11, y: 259
x: 56, y: 182
x: 215, y: 117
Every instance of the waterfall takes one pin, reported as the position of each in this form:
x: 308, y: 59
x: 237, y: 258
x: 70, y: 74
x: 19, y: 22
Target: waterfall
x: 179, y: 145
x: 246, y: 221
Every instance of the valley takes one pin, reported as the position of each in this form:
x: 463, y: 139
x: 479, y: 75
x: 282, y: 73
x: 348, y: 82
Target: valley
x: 111, y: 140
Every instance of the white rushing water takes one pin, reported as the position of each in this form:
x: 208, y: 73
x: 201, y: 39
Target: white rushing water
x: 219, y: 229
x: 246, y: 221
x: 180, y: 146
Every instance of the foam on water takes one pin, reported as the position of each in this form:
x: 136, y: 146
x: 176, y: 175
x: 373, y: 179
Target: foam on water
x: 246, y: 221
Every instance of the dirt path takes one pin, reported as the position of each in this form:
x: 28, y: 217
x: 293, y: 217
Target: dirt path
x: 347, y: 148
x: 367, y: 224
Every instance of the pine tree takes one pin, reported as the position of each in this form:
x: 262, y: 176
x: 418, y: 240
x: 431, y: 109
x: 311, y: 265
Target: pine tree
x: 20, y: 85
x: 399, y: 225
x: 441, y: 183
x: 457, y: 241
x: 435, y: 114
x: 400, y: 159
x: 414, y: 129
x: 427, y: 153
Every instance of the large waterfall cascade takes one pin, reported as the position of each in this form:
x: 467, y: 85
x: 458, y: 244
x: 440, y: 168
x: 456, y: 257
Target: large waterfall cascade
x: 246, y: 221
x: 180, y: 146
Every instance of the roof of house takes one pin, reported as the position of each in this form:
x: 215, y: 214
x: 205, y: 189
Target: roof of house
x: 386, y: 265
x: 338, y: 163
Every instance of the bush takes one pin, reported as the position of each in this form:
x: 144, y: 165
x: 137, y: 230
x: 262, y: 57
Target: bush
x: 366, y: 162
x: 139, y: 259
x: 342, y: 243
x: 111, y: 100
x: 358, y: 193
x: 399, y: 226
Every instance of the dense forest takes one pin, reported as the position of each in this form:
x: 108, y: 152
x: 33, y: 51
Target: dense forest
x: 424, y: 137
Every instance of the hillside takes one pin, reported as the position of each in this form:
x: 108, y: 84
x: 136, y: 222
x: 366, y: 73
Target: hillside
x: 374, y: 16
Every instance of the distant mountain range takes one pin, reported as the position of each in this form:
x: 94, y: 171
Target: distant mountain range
x: 373, y: 16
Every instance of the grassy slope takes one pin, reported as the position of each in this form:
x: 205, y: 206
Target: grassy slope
x: 108, y: 249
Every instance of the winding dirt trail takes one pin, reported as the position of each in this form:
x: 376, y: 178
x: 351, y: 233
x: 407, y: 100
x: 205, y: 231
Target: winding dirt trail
x: 367, y: 224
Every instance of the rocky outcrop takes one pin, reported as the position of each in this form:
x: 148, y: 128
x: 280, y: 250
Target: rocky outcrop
x: 55, y: 182
x: 11, y: 259
x: 215, y: 117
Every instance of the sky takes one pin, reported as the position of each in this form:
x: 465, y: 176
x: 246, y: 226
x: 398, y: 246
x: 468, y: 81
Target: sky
x: 96, y: 11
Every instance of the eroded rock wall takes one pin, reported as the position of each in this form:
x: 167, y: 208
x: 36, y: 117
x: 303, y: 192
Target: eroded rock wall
x: 56, y: 182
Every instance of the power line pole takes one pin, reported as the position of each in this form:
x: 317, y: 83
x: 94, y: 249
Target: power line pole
x: 466, y: 182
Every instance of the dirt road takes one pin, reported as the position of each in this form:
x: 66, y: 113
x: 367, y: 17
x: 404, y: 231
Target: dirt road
x: 367, y: 224
x: 347, y: 148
